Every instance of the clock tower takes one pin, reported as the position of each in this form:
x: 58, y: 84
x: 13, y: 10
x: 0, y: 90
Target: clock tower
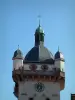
x: 40, y: 75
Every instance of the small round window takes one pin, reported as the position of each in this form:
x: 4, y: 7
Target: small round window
x: 44, y: 67
x: 33, y: 67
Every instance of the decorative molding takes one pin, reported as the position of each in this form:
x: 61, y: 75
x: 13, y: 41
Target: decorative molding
x: 33, y: 67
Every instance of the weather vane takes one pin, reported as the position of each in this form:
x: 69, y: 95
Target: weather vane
x: 58, y: 48
x: 39, y: 19
x: 18, y: 46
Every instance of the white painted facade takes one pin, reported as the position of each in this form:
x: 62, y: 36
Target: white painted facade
x: 60, y: 64
x: 51, y: 91
x: 17, y: 63
x: 27, y: 66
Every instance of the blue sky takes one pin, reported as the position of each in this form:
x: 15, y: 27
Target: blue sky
x: 18, y: 21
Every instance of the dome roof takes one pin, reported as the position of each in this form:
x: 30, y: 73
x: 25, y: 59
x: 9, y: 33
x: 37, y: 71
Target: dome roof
x: 18, y: 54
x: 38, y: 54
x: 39, y: 30
x: 59, y: 55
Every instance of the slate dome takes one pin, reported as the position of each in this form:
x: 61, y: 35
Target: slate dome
x: 18, y: 54
x: 38, y: 54
x: 59, y: 55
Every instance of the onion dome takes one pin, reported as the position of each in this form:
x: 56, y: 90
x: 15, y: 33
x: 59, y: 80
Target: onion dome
x: 39, y: 30
x: 59, y: 55
x: 39, y: 36
x: 18, y: 54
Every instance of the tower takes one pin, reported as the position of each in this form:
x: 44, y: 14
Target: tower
x: 38, y: 76
x: 59, y: 60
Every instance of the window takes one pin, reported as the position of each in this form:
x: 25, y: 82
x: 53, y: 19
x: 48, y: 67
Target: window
x: 44, y: 67
x: 72, y: 96
x: 47, y: 99
x: 30, y: 98
x: 33, y: 67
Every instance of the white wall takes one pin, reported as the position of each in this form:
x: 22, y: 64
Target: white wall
x: 29, y: 89
x: 62, y: 67
x: 26, y: 66
x: 17, y: 63
x: 60, y: 64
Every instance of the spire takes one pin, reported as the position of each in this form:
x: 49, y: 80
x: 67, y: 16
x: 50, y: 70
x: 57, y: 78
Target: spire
x: 39, y: 19
x: 58, y: 48
x: 39, y: 34
x: 18, y: 46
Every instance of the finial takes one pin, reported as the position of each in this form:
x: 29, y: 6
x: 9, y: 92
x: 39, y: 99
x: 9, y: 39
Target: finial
x: 58, y: 48
x: 39, y: 19
x: 18, y: 46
